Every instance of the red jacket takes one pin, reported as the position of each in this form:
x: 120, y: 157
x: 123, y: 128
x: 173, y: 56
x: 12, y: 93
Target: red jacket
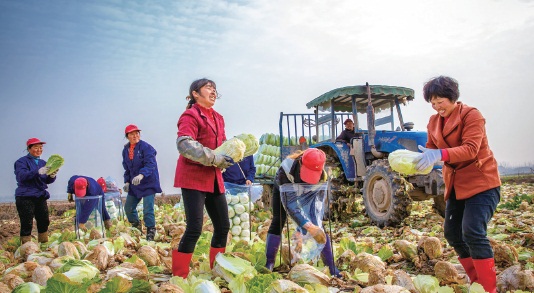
x: 471, y: 168
x: 190, y: 174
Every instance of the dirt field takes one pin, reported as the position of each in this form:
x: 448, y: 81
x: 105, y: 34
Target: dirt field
x: 10, y: 225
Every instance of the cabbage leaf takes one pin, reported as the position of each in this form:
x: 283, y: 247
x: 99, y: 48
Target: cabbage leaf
x: 54, y: 163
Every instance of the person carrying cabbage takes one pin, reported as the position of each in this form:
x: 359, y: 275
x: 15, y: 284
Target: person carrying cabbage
x: 31, y: 195
x: 83, y: 187
x: 141, y: 180
x: 298, y: 167
x: 198, y: 174
x: 241, y: 173
x: 457, y: 136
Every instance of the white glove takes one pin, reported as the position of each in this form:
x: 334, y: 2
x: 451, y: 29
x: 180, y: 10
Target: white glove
x: 137, y: 179
x: 43, y: 170
x: 126, y: 187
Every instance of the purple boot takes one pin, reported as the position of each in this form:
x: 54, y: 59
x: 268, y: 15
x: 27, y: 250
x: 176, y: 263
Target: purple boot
x: 272, y: 245
x: 328, y: 258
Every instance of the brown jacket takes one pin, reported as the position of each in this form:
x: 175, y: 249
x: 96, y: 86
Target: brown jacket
x: 471, y: 168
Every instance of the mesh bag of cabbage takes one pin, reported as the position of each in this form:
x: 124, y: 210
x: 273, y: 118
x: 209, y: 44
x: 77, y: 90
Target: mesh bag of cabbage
x: 305, y: 203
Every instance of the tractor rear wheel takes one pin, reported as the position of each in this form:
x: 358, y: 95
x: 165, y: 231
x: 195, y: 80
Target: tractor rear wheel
x: 385, y: 197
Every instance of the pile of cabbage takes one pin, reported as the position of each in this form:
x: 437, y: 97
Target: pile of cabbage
x: 267, y: 159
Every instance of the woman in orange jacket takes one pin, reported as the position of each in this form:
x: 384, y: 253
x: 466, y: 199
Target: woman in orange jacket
x: 457, y: 136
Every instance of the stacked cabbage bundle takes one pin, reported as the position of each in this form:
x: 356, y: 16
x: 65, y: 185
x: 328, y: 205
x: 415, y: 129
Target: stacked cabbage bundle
x: 267, y: 160
x: 239, y: 206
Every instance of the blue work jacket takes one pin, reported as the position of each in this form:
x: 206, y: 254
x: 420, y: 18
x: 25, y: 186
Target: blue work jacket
x: 93, y: 187
x: 29, y: 182
x: 234, y: 175
x: 144, y: 162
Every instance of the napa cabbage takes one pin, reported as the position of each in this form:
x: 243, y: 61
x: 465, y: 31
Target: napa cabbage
x: 250, y: 142
x: 233, y: 148
x: 54, y: 163
x: 402, y: 161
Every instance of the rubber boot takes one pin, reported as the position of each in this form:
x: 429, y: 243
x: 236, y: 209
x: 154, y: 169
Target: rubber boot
x: 328, y: 258
x: 272, y: 245
x: 469, y: 268
x: 107, y: 224
x: 150, y: 233
x: 316, y: 232
x: 487, y: 277
x: 180, y: 263
x: 42, y: 237
x: 24, y: 239
x: 213, y: 253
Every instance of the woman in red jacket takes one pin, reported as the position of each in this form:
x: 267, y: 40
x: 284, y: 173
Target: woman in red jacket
x: 198, y: 174
x: 457, y: 136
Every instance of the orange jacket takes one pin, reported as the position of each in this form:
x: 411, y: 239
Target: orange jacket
x: 471, y: 168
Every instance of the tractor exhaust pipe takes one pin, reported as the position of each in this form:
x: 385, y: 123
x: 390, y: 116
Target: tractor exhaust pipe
x: 371, y: 124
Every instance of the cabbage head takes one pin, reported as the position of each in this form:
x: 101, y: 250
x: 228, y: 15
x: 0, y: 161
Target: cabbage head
x: 234, y: 148
x: 54, y: 162
x: 251, y: 143
x: 402, y: 161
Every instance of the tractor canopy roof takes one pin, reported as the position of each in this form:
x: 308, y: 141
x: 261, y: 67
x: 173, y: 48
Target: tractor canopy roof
x: 382, y: 96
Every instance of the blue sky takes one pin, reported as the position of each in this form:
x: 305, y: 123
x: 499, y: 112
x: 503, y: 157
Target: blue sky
x: 75, y: 73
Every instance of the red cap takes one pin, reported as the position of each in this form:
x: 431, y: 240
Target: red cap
x: 312, y: 165
x: 80, y: 186
x: 130, y: 128
x: 102, y: 182
x: 348, y: 120
x: 33, y: 140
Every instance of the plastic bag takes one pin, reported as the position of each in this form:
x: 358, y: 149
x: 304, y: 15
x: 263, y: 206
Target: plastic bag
x: 240, y: 206
x: 303, y: 203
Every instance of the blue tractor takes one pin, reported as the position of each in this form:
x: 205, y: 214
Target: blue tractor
x: 362, y: 166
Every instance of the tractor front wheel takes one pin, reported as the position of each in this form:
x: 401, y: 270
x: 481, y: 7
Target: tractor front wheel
x: 386, y: 200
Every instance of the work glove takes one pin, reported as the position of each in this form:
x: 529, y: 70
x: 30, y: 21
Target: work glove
x: 43, y: 170
x: 222, y: 161
x: 316, y: 232
x: 126, y: 187
x: 426, y: 159
x: 54, y: 174
x: 69, y: 197
x: 137, y: 179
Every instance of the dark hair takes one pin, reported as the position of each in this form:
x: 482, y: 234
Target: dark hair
x: 441, y: 86
x: 195, y: 87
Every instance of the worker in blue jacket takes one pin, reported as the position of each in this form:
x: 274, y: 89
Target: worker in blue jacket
x: 141, y: 179
x: 84, y: 188
x: 31, y: 195
x: 241, y: 173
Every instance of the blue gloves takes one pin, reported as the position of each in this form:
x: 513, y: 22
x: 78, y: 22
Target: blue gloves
x: 426, y: 159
